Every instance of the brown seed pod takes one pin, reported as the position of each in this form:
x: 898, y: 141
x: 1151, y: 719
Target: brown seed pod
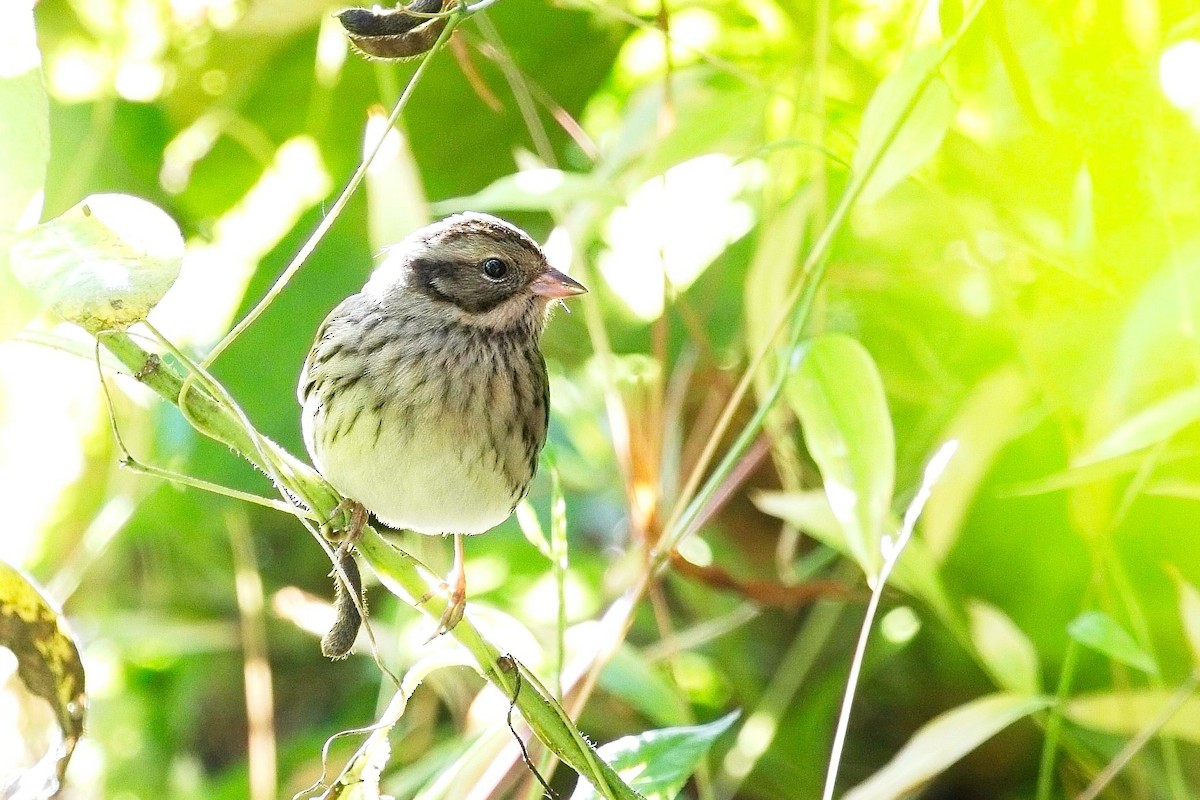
x: 395, y: 34
x: 337, y: 642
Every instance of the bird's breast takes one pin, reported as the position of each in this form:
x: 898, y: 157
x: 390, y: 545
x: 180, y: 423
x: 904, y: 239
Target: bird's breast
x: 441, y: 440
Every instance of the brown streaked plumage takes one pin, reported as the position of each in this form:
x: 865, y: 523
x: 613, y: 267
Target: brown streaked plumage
x: 425, y: 394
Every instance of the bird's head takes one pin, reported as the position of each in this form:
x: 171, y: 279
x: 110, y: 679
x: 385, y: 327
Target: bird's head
x: 482, y: 270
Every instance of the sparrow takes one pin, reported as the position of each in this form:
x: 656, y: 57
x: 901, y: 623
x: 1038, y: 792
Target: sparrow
x: 425, y: 397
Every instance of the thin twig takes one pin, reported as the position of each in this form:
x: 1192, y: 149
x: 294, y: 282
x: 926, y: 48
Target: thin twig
x: 338, y: 205
x: 891, y: 555
x: 1131, y: 748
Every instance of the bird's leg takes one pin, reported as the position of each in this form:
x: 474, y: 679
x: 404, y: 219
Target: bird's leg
x: 356, y: 519
x: 456, y: 582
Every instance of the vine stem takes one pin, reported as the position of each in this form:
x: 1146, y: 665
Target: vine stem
x: 398, y: 571
x: 338, y: 205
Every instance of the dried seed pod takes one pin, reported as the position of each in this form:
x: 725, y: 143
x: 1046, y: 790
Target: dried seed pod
x: 395, y: 34
x: 337, y: 642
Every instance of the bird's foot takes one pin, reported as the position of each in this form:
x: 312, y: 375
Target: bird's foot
x: 456, y: 593
x: 354, y: 516
x: 456, y: 606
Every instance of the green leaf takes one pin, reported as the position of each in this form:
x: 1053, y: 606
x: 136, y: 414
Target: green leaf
x: 629, y: 676
x: 986, y: 422
x: 1102, y: 633
x: 1189, y: 612
x: 838, y: 395
x: 640, y: 148
x: 531, y: 527
x: 777, y: 259
x: 1153, y: 347
x: 950, y: 16
x: 1156, y: 423
x: 1127, y: 713
x: 1007, y: 653
x: 532, y: 190
x: 104, y: 263
x: 919, y: 135
x: 1082, y: 223
x: 943, y: 741
x: 47, y: 661
x: 658, y: 763
x: 24, y: 150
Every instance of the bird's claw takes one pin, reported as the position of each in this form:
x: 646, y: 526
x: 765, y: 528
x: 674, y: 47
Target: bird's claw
x: 456, y: 606
x: 354, y: 519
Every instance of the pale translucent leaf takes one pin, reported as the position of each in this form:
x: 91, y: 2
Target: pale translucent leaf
x: 920, y: 134
x: 776, y: 260
x: 24, y: 150
x: 916, y: 573
x: 1126, y: 713
x: 1157, y: 339
x: 1153, y: 424
x: 396, y: 204
x: 943, y: 741
x: 984, y: 424
x: 1007, y: 653
x: 532, y: 190
x: 102, y: 264
x: 1189, y: 613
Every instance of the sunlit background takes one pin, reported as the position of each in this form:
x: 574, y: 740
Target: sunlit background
x: 1027, y: 280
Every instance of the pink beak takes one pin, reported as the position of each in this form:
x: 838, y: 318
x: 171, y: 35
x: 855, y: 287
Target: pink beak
x: 555, y: 285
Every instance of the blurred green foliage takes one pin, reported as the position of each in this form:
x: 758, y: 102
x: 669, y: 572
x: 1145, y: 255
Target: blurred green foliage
x: 1021, y: 269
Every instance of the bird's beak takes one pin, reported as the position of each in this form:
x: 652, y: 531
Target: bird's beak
x: 555, y: 285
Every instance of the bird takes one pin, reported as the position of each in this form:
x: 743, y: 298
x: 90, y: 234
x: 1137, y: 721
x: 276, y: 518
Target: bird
x: 425, y: 400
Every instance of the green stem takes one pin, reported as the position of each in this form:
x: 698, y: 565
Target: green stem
x: 336, y: 209
x: 1045, y: 782
x: 179, y: 478
x: 398, y: 571
x: 404, y: 576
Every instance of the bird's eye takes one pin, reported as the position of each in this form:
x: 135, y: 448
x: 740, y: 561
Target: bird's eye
x: 495, y: 269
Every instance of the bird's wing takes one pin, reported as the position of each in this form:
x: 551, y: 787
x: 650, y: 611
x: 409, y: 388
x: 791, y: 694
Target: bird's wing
x: 336, y: 317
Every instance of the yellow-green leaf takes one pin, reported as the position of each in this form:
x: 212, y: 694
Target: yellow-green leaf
x: 1156, y: 423
x: 919, y: 134
x: 984, y: 424
x: 838, y: 395
x: 943, y: 741
x: 1127, y: 713
x: 916, y: 573
x: 1189, y: 613
x: 658, y: 763
x: 47, y: 658
x: 1102, y: 633
x: 1007, y: 653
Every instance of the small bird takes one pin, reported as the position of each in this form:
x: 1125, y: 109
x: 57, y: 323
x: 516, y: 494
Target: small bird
x: 425, y: 398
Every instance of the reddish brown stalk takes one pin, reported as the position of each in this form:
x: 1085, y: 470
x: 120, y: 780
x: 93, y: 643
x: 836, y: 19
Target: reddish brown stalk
x: 771, y: 594
x: 462, y: 54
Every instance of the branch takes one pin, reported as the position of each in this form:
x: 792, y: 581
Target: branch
x: 402, y: 574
